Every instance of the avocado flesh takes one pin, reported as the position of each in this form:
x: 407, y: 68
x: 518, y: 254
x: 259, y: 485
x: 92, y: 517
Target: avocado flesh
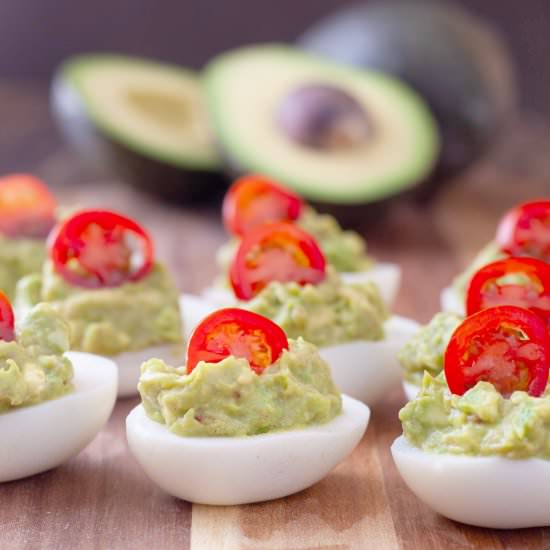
x: 244, y: 89
x: 142, y: 121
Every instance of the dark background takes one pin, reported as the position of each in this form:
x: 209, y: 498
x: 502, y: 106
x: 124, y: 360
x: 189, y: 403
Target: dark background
x: 35, y: 35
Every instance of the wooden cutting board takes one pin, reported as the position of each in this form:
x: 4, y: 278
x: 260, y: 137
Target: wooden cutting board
x: 102, y: 500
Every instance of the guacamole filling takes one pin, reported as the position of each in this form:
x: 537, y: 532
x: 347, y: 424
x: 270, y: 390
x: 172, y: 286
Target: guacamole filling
x: 479, y: 423
x: 489, y: 253
x: 229, y: 399
x: 345, y: 251
x: 109, y: 321
x: 19, y: 257
x: 425, y: 350
x: 325, y: 314
x: 32, y: 367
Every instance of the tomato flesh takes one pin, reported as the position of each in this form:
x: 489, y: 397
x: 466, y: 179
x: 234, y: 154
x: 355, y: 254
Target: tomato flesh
x: 525, y: 230
x: 7, y: 319
x: 27, y: 208
x: 275, y: 252
x: 239, y: 333
x: 508, y: 346
x: 100, y: 248
x: 492, y: 286
x: 254, y: 200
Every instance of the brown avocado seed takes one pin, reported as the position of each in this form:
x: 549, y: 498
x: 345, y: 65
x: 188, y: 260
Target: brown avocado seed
x: 323, y: 117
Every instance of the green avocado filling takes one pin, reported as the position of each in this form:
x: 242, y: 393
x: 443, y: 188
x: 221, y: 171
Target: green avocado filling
x: 32, y: 367
x: 110, y: 321
x: 479, y: 423
x: 489, y: 253
x: 229, y: 399
x: 345, y: 251
x: 19, y: 257
x: 425, y: 350
x: 325, y: 314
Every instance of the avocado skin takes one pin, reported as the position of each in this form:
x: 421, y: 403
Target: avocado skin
x: 455, y: 61
x: 104, y: 157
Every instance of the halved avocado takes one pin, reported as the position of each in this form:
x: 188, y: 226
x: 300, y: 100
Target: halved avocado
x: 140, y: 120
x: 268, y: 104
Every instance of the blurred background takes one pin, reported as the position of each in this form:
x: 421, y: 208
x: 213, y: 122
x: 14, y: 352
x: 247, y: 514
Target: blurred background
x: 509, y: 163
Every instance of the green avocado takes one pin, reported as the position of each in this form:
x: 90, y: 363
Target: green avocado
x: 109, y: 321
x: 229, y: 399
x: 479, y: 423
x: 32, y: 367
x: 326, y: 314
x: 334, y: 134
x: 140, y: 120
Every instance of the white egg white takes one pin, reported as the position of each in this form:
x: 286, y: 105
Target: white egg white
x: 490, y: 491
x: 240, y: 470
x: 411, y: 390
x: 41, y: 437
x: 450, y: 301
x: 386, y: 276
x: 129, y: 364
x: 367, y: 370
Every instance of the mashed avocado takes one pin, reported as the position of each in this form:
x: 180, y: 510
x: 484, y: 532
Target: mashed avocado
x: 425, y: 350
x: 344, y: 250
x: 19, y: 257
x: 32, y: 367
x: 109, y: 321
x: 489, y: 253
x: 481, y: 422
x: 229, y: 399
x: 325, y: 314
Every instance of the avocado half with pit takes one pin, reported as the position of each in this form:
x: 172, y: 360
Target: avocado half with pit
x: 142, y: 121
x: 334, y: 134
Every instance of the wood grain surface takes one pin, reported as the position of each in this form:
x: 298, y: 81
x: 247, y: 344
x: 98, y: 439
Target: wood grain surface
x: 102, y: 500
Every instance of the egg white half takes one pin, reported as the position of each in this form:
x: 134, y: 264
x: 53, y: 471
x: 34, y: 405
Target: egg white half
x: 411, y: 390
x: 240, y: 470
x: 450, y: 301
x: 40, y: 437
x: 367, y: 370
x: 490, y: 491
x: 386, y: 276
x: 129, y: 364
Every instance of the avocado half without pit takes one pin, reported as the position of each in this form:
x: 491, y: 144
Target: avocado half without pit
x: 142, y: 121
x: 334, y: 134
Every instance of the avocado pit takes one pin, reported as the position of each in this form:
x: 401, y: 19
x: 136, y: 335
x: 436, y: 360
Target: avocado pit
x: 323, y: 117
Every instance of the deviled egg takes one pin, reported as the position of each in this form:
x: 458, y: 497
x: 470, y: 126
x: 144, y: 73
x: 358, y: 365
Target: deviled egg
x: 476, y: 439
x: 102, y: 277
x: 523, y: 231
x: 252, y: 416
x: 52, y: 402
x: 27, y: 213
x: 280, y: 272
x: 253, y: 200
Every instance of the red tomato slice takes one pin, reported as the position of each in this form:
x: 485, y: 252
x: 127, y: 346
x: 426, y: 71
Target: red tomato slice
x: 254, y: 200
x: 489, y: 288
x: 7, y: 320
x: 236, y: 332
x: 508, y: 346
x: 100, y: 248
x: 27, y: 208
x: 275, y: 252
x: 525, y: 230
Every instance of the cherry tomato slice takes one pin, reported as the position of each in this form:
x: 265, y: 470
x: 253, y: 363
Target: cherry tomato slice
x: 254, y: 200
x: 525, y: 230
x: 236, y: 332
x: 27, y: 208
x: 489, y: 286
x: 508, y: 346
x: 7, y: 320
x: 100, y: 248
x: 275, y: 252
